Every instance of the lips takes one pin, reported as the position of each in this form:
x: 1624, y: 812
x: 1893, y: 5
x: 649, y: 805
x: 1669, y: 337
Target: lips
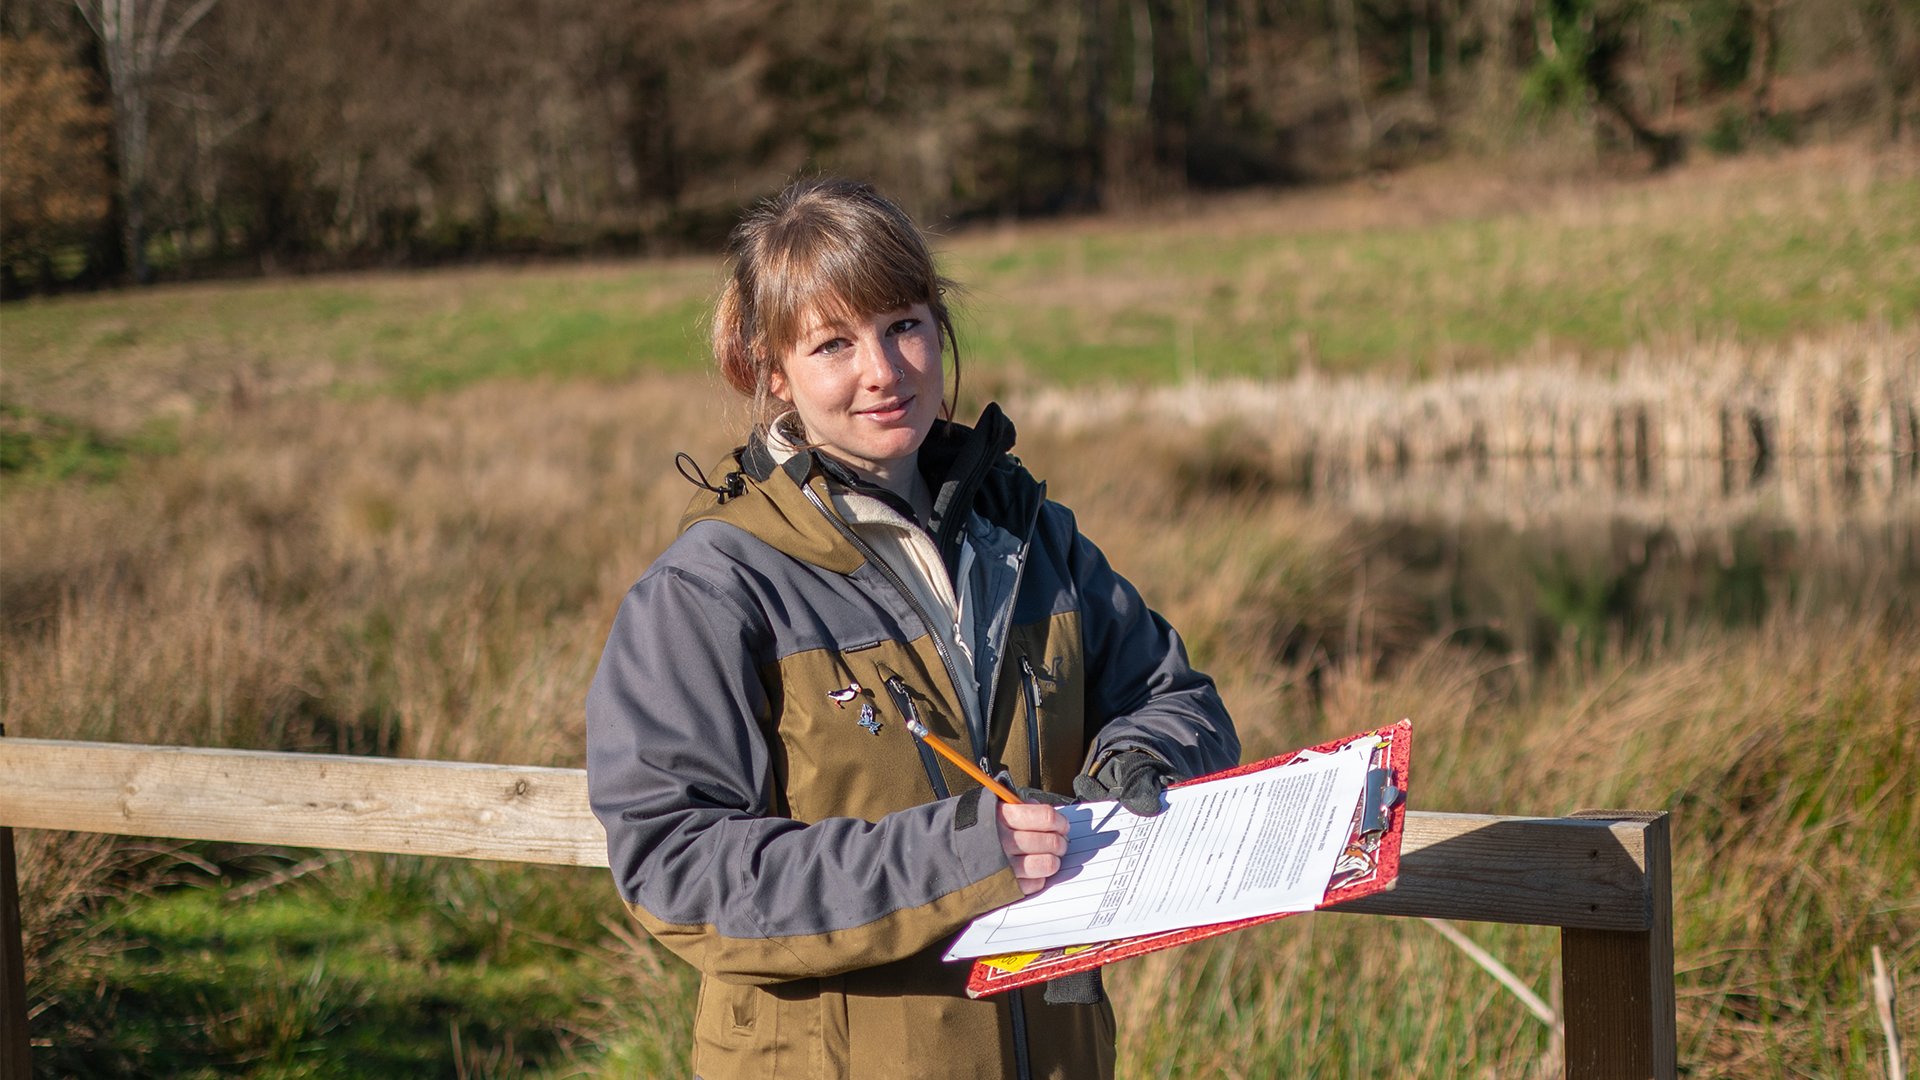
x: 888, y: 413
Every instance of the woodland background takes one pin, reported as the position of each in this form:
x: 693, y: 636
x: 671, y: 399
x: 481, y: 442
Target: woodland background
x: 215, y: 137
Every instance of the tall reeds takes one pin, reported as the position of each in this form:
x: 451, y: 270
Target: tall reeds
x: 1819, y: 435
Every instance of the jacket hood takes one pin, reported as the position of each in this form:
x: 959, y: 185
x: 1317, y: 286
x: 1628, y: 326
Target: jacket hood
x: 967, y: 468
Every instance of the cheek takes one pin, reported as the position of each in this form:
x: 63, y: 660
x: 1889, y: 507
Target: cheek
x: 819, y: 389
x: 923, y: 352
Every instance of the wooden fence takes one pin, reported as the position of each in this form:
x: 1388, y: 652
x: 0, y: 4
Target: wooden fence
x: 1602, y: 876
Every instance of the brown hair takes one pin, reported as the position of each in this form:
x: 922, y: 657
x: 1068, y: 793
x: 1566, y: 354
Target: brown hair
x: 837, y: 248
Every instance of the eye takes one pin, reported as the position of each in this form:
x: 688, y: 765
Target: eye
x: 903, y: 326
x: 832, y: 347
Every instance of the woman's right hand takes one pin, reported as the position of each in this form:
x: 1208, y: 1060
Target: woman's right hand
x: 1034, y: 838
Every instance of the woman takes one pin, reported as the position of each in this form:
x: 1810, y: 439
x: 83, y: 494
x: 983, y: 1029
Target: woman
x: 768, y: 815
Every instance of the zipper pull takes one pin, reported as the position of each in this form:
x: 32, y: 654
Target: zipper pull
x: 902, y: 700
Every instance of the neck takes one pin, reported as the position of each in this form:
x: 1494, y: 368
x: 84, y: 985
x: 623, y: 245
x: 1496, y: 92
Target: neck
x: 900, y: 476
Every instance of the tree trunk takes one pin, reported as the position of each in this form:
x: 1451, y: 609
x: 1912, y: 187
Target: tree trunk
x: 130, y: 130
x: 1098, y: 28
x: 136, y: 45
x: 1142, y: 57
x: 1880, y: 36
x: 1346, y: 53
x: 1606, y: 45
x: 1421, y: 47
x: 1766, y: 25
x: 1217, y: 56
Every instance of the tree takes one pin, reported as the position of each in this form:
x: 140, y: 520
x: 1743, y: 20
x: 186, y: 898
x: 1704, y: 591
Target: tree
x: 137, y: 43
x: 53, y: 189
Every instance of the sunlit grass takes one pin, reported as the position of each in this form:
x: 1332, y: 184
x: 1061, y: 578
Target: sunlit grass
x: 1753, y: 259
x: 1414, y: 279
x: 381, y: 967
x: 433, y: 577
x: 391, y: 514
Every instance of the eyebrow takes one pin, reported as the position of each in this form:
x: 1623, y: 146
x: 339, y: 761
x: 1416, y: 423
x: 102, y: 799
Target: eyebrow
x: 818, y: 330
x: 844, y: 326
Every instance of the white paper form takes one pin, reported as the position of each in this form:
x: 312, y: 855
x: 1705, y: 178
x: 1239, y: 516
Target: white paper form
x: 1248, y: 845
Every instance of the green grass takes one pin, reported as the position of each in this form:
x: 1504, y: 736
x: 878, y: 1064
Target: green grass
x: 39, y: 447
x: 1633, y: 267
x: 1350, y: 280
x: 368, y: 970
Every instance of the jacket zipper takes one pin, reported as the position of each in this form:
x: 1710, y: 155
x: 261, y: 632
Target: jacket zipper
x: 1017, y: 1005
x: 997, y: 636
x: 1032, y: 688
x: 1023, y: 1069
x: 939, y: 646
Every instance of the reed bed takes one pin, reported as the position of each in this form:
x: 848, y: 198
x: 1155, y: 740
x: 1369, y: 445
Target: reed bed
x: 1818, y: 435
x: 434, y: 578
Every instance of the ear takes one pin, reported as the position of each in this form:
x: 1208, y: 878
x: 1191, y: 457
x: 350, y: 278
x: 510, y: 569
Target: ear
x: 777, y: 386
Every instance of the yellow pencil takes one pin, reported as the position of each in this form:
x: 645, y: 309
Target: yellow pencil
x: 940, y: 747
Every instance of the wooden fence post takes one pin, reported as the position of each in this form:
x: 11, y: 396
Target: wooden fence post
x: 1618, y: 984
x: 15, y: 1043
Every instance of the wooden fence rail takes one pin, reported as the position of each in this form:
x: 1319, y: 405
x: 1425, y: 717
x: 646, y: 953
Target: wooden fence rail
x: 1602, y: 876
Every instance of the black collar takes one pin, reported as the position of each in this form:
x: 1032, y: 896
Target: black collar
x: 956, y: 461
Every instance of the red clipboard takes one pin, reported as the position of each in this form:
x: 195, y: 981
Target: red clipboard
x: 1370, y: 864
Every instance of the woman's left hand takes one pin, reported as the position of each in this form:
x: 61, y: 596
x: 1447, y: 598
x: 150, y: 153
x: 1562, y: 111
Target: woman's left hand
x: 1034, y: 838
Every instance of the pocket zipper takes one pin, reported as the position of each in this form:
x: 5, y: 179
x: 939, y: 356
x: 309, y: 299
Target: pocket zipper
x: 1032, y: 688
x: 903, y: 701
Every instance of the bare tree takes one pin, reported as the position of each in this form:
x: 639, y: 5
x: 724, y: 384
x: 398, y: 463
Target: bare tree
x: 137, y: 41
x: 1346, y: 59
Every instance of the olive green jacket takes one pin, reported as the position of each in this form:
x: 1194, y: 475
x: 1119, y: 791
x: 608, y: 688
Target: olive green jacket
x: 770, y: 818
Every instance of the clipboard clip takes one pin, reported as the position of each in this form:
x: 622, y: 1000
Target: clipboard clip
x: 1378, y: 797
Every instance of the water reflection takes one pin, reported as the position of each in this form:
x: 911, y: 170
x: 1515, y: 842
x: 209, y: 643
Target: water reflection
x: 1558, y: 586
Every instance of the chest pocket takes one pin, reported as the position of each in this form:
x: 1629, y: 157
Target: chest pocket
x: 1040, y: 712
x: 844, y: 744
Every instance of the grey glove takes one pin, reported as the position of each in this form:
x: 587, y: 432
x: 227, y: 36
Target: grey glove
x: 1134, y: 777
x: 1043, y: 796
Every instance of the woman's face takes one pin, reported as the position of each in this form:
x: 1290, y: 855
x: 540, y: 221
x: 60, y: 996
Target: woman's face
x: 869, y: 389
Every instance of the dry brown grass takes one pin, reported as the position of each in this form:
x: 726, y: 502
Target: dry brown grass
x: 434, y: 578
x: 1790, y: 759
x: 425, y: 579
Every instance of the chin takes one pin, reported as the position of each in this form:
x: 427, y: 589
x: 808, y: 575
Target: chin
x: 891, y: 449
x: 892, y: 443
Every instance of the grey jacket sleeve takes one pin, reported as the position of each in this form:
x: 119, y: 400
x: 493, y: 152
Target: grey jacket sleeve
x: 1142, y: 694
x: 679, y: 772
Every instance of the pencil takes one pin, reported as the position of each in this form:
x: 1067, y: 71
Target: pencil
x: 940, y: 747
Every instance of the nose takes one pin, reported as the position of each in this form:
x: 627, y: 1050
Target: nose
x: 885, y: 365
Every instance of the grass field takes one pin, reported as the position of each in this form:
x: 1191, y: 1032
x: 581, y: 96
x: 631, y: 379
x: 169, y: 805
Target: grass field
x: 392, y: 514
x: 1444, y: 269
